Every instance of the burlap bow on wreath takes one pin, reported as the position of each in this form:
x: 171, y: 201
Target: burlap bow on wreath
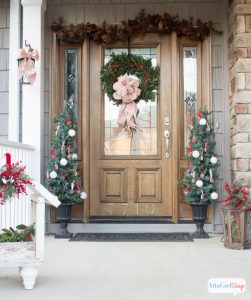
x: 127, y: 79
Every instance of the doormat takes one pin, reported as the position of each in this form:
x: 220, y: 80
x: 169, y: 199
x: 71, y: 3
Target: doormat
x: 132, y: 237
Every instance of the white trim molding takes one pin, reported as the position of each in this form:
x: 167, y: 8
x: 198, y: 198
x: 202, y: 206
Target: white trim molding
x: 33, y: 95
x: 33, y: 3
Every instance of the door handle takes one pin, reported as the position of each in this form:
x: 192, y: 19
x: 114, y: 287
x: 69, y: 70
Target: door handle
x: 167, y: 135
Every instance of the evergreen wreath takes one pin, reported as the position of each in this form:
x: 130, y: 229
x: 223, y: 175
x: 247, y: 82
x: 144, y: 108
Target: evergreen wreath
x: 130, y: 64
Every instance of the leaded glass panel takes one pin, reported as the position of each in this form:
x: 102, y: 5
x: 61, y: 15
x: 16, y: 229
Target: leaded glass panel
x: 71, y: 79
x: 118, y: 140
x: 190, y: 88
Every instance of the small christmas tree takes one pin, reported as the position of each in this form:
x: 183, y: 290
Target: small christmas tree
x: 199, y: 182
x: 62, y: 176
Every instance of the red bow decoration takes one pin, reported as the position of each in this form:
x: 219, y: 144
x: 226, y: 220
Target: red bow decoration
x: 26, y: 65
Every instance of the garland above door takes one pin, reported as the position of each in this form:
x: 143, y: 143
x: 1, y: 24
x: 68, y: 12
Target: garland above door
x: 110, y: 33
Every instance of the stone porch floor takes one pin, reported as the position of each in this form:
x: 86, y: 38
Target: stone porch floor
x: 123, y: 271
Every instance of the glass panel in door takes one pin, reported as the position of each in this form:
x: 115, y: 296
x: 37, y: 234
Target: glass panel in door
x: 118, y: 140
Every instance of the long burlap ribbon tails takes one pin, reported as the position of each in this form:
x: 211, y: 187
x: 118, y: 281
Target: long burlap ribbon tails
x: 127, y: 90
x: 26, y: 65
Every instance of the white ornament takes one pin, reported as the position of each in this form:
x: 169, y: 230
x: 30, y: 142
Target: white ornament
x: 4, y: 180
x: 203, y: 122
x: 214, y: 195
x: 213, y: 160
x: 74, y: 156
x: 63, y: 162
x: 196, y: 154
x: 83, y: 195
x: 72, y: 132
x: 53, y: 174
x: 199, y: 183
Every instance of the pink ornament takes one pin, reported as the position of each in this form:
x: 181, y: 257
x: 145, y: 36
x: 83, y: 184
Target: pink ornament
x: 201, y: 155
x: 194, y: 179
x: 202, y: 175
x: 69, y: 152
x: 211, y: 176
x: 63, y: 145
x: 57, y: 129
x: 194, y: 140
x: 206, y: 146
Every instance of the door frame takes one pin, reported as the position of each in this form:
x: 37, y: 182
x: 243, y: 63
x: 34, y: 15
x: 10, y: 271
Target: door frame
x: 177, y: 163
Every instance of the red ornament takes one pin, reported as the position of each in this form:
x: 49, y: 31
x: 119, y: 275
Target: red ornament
x: 78, y: 188
x: 68, y: 121
x: 138, y: 66
x: 190, y: 150
x: 199, y: 115
x: 8, y: 159
x: 53, y: 153
x: 147, y: 78
x: 185, y: 191
x: 116, y: 65
x: 69, y: 152
x: 63, y: 174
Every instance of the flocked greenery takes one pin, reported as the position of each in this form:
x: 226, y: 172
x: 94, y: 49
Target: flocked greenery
x: 64, y: 180
x: 121, y: 64
x: 202, y: 139
x: 22, y: 233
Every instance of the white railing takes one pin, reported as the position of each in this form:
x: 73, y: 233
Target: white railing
x: 25, y: 210
x: 27, y: 256
x: 16, y: 211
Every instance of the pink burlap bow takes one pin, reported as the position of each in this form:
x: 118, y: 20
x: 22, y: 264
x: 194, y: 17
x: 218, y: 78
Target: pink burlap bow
x: 26, y: 65
x: 127, y: 90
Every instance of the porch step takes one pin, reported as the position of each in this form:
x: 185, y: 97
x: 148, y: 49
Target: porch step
x: 128, y: 228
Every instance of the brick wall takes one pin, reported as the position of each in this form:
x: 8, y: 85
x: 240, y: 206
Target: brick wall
x: 240, y: 87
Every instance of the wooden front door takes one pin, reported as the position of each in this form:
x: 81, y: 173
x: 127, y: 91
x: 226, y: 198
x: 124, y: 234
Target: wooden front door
x: 131, y: 175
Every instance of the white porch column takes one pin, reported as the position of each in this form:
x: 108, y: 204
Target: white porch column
x: 33, y: 95
x: 14, y: 87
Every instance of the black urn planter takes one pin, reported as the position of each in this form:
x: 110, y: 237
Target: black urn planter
x: 63, y: 215
x: 199, y: 216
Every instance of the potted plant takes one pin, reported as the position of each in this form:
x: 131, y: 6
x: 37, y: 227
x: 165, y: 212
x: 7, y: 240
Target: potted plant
x: 199, y: 181
x: 236, y: 216
x: 63, y: 179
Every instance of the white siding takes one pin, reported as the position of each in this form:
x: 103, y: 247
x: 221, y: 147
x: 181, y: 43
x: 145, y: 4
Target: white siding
x: 4, y: 67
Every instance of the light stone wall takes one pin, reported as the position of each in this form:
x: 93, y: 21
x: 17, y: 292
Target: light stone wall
x: 240, y: 88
